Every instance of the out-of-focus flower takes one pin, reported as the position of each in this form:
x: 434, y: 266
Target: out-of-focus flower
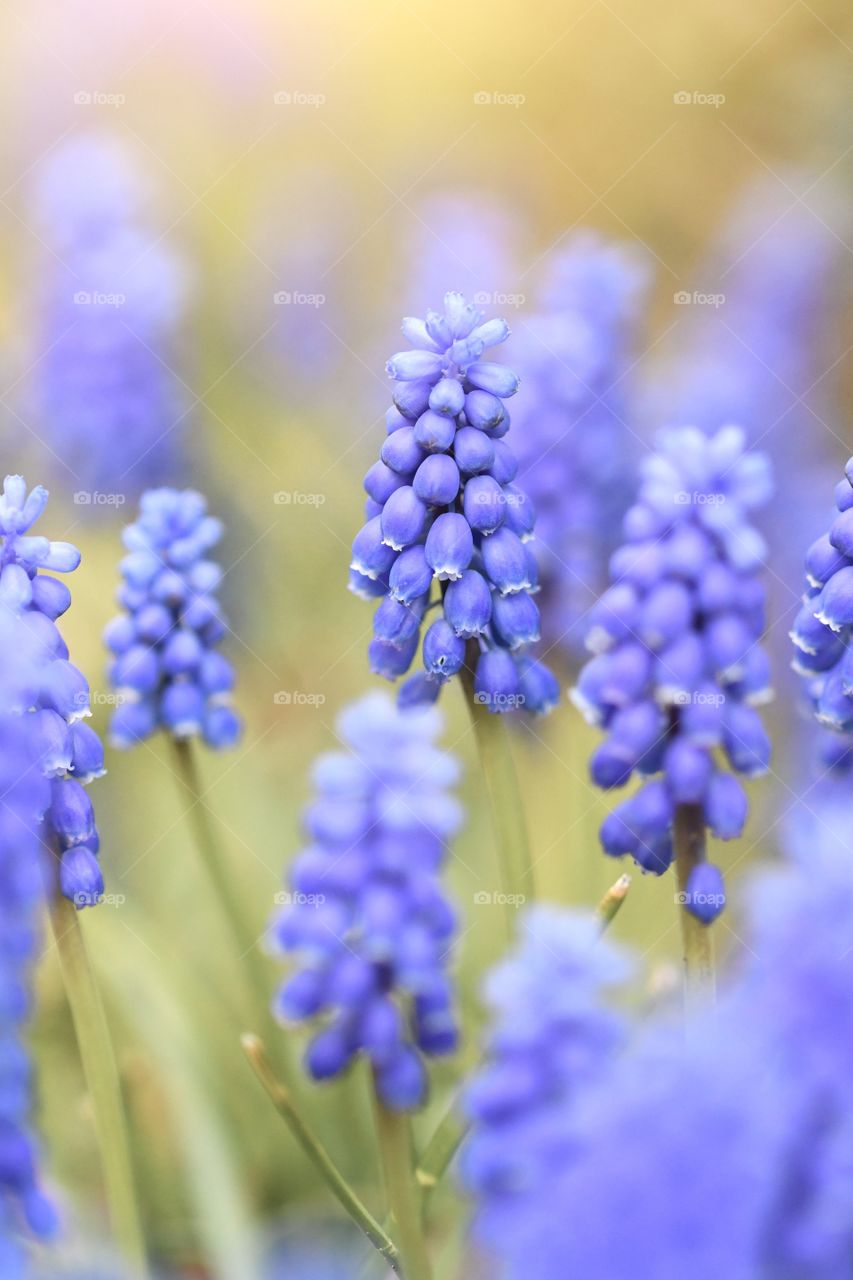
x: 683, y: 1156
x: 442, y: 506
x: 823, y: 629
x: 166, y: 663
x: 26, y: 792
x: 365, y: 910
x: 574, y: 425
x: 106, y: 397
x: 462, y: 238
x: 70, y: 753
x: 549, y: 1036
x: 678, y: 668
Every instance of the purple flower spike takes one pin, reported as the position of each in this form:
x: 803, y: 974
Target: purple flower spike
x: 446, y: 525
x: 365, y: 911
x: 678, y: 668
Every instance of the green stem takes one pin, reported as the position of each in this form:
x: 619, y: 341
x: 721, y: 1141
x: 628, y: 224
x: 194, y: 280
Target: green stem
x: 441, y: 1148
x: 696, y: 938
x: 317, y: 1154
x: 213, y: 856
x: 611, y: 904
x: 507, y: 810
x: 102, y: 1079
x: 452, y: 1129
x: 395, y: 1147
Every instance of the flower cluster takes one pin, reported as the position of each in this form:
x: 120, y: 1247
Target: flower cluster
x: 441, y: 504
x: 549, y: 1037
x: 678, y: 668
x: 366, y: 911
x: 823, y: 629
x: 166, y: 662
x: 26, y: 795
x: 69, y: 751
x: 681, y: 1156
x: 110, y: 305
x: 574, y: 440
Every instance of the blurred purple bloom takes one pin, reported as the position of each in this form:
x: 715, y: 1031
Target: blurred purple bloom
x: 823, y: 630
x: 461, y: 238
x: 550, y: 1036
x: 24, y: 1209
x: 681, y: 1154
x: 365, y: 910
x: 107, y: 397
x: 166, y: 660
x: 69, y: 752
x: 574, y: 425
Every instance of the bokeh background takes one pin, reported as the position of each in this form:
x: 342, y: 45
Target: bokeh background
x: 298, y: 178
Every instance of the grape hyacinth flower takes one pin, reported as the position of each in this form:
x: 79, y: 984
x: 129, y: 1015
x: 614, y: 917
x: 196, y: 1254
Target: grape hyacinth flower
x: 823, y: 629
x: 678, y: 669
x: 166, y: 662
x: 26, y: 792
x: 681, y: 1155
x: 111, y: 302
x: 442, y: 507
x: 575, y: 441
x: 366, y: 912
x: 70, y: 751
x: 549, y: 1036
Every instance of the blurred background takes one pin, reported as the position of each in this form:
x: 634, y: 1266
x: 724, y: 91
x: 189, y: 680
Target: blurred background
x: 214, y: 216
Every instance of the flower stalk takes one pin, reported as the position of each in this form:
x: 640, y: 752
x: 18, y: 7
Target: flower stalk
x: 696, y: 937
x: 317, y: 1154
x: 394, y: 1133
x: 102, y: 1078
